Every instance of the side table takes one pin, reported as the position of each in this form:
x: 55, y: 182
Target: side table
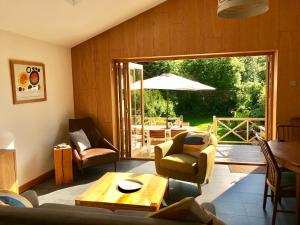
x: 63, y: 164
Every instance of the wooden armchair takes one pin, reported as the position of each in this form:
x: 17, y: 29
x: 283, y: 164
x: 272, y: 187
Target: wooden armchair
x: 282, y: 184
x: 101, y: 152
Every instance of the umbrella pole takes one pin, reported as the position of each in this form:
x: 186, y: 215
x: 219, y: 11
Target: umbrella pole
x: 167, y: 113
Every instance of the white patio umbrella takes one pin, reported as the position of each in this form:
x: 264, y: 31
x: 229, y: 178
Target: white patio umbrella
x: 169, y: 81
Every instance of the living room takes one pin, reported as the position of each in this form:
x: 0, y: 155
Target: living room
x: 69, y: 50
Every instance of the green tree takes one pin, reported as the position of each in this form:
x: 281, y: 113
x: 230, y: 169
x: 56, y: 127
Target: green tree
x: 251, y: 94
x: 239, y: 83
x: 220, y: 73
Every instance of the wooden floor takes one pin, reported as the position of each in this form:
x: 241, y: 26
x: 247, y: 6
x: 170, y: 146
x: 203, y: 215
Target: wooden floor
x: 225, y: 153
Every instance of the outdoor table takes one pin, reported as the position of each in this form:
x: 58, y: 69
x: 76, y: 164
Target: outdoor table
x: 287, y: 154
x: 159, y: 127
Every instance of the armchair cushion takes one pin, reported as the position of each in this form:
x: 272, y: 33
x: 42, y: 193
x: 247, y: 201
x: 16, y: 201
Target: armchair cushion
x: 188, y: 210
x: 180, y: 162
x: 9, y: 198
x: 80, y: 140
x: 95, y: 152
x: 194, y: 143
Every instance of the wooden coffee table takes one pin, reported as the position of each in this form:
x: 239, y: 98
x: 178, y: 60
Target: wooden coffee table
x: 104, y: 193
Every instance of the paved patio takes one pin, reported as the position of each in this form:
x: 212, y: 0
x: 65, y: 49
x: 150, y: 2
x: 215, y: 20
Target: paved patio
x: 239, y: 153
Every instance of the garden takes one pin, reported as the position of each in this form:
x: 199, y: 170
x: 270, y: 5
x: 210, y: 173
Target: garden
x: 239, y: 90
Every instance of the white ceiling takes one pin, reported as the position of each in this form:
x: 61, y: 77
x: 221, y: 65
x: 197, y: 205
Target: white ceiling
x: 61, y: 23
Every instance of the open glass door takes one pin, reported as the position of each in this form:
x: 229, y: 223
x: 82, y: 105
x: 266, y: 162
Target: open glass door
x: 136, y: 108
x: 129, y: 81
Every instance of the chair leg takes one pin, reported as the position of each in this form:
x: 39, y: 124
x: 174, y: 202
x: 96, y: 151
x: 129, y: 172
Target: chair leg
x: 199, y: 189
x: 279, y: 200
x: 276, y: 198
x: 265, y: 195
x: 272, y: 196
x: 115, y: 166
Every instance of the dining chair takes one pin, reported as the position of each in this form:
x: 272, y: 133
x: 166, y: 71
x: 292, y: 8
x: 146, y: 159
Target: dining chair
x: 282, y: 184
x: 288, y: 132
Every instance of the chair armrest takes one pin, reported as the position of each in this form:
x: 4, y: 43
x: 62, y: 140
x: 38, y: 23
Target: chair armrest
x: 206, y: 162
x: 110, y: 146
x: 209, y: 207
x: 162, y: 149
x: 76, y: 154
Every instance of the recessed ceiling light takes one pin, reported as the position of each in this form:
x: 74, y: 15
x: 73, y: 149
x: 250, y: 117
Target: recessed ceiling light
x: 73, y: 2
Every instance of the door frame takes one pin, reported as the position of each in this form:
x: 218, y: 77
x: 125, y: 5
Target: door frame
x: 124, y: 108
x: 271, y: 79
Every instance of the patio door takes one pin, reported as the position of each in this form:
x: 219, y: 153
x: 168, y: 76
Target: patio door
x: 129, y: 80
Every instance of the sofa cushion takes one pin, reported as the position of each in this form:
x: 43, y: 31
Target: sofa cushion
x: 194, y: 143
x: 9, y: 198
x: 95, y: 152
x: 31, y: 196
x: 80, y: 140
x: 74, y: 209
x: 187, y: 210
x: 46, y: 216
x: 180, y: 162
x: 3, y: 203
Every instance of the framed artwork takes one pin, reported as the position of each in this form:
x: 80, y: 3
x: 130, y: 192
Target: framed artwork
x: 28, y: 81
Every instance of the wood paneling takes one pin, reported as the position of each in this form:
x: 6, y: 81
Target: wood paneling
x: 8, y: 174
x: 179, y: 27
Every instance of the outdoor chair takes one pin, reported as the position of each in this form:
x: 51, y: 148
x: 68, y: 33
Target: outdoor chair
x: 281, y: 183
x: 158, y: 136
x: 172, y: 162
x: 101, y: 151
x: 176, y: 131
x: 288, y: 132
x: 187, y: 124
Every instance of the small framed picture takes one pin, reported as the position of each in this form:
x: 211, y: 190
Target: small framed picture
x: 28, y: 81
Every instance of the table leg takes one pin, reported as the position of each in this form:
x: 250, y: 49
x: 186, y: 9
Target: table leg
x: 298, y: 200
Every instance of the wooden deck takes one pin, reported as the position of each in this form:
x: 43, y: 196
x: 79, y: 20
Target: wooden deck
x: 225, y: 153
x: 239, y: 153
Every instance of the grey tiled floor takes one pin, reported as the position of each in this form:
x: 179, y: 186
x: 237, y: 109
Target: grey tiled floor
x: 237, y: 197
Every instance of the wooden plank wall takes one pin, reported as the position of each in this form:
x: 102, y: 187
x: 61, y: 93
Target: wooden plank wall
x: 179, y: 27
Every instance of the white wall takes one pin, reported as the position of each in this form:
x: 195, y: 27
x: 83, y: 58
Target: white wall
x: 33, y: 128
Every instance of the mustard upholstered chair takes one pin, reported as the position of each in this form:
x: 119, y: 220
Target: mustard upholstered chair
x: 171, y: 162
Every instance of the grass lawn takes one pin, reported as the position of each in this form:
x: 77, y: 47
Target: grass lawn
x: 200, y: 122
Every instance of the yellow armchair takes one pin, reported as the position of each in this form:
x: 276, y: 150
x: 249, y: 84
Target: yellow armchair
x: 171, y: 162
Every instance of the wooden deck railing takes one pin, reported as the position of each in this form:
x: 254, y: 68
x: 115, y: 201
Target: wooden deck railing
x: 237, y: 130
x: 155, y: 120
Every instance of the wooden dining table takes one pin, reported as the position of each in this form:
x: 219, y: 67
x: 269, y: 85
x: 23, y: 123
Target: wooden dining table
x: 287, y: 154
